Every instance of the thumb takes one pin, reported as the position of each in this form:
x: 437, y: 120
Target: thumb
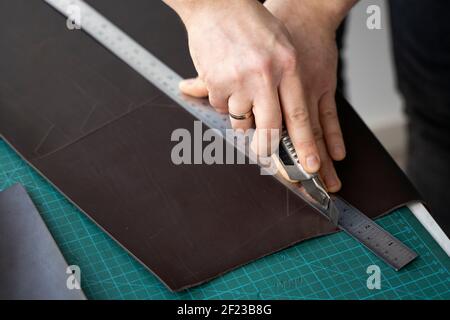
x: 194, y: 87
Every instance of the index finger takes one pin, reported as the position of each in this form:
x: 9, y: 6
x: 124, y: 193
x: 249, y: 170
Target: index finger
x: 298, y: 123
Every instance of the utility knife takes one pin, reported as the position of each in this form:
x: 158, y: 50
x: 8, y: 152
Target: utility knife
x: 313, y: 185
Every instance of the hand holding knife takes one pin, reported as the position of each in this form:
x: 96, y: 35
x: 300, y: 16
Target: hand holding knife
x: 312, y: 183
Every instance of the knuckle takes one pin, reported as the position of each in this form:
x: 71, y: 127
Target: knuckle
x: 212, y: 84
x: 262, y: 65
x: 306, y: 146
x: 329, y: 113
x: 317, y: 133
x: 236, y: 76
x: 334, y: 135
x: 215, y: 82
x: 298, y: 116
x: 289, y: 59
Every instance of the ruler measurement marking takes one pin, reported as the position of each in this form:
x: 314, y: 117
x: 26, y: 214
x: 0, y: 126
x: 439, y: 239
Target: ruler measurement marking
x: 379, y: 241
x: 352, y: 221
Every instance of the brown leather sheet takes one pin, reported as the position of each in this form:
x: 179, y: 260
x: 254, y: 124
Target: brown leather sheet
x: 101, y: 134
x: 31, y: 265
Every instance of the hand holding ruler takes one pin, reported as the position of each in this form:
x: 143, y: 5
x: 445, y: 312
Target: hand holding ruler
x: 342, y: 214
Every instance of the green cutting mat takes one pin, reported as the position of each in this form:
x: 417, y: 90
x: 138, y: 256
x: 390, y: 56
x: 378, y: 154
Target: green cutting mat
x: 331, y: 267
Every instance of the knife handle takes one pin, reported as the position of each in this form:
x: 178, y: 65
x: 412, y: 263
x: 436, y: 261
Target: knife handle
x: 287, y: 157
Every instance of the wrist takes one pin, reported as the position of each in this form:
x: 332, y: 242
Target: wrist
x: 334, y: 11
x: 298, y: 13
x: 187, y: 9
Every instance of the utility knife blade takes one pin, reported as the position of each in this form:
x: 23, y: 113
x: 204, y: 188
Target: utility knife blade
x: 312, y: 183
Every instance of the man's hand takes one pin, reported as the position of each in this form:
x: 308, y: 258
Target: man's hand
x: 247, y: 60
x: 312, y: 25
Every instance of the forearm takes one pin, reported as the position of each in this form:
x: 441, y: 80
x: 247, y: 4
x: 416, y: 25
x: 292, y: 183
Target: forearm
x: 337, y: 8
x: 186, y: 8
x: 298, y: 13
x: 333, y: 8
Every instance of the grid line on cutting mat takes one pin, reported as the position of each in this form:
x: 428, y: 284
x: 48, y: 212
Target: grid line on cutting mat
x: 329, y: 267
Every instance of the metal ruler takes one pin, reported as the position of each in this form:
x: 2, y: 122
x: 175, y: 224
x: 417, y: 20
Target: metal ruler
x: 352, y: 221
x: 378, y: 240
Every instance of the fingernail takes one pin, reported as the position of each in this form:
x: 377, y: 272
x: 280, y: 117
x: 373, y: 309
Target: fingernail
x: 339, y: 151
x: 312, y: 161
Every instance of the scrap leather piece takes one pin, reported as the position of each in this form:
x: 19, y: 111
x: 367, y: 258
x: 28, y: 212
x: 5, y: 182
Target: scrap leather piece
x: 31, y: 265
x: 101, y: 133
